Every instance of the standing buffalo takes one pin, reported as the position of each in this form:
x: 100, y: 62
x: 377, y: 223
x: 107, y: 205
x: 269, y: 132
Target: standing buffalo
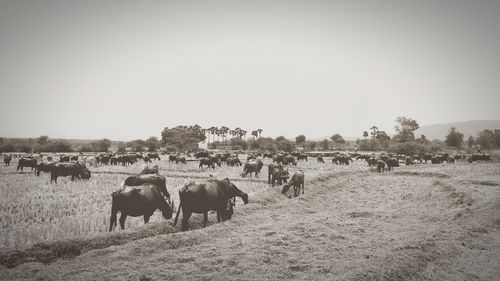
x: 75, y: 169
x: 381, y: 166
x: 202, y: 154
x: 148, y: 170
x: 172, y: 158
x: 64, y: 158
x: 320, y: 159
x: 297, y: 181
x: 207, y: 162
x: 302, y: 157
x: 26, y: 162
x: 180, y: 159
x: 202, y: 197
x: 137, y: 201
x: 157, y: 180
x: 7, y: 159
x: 233, y: 161
x: 43, y: 167
x: 253, y: 166
x: 154, y: 156
x: 276, y: 173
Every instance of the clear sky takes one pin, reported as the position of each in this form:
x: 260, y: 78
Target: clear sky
x: 127, y: 69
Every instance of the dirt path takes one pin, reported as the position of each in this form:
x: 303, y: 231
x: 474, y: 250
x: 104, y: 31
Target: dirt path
x: 432, y: 224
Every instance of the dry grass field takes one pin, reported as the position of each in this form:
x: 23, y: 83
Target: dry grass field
x: 421, y: 222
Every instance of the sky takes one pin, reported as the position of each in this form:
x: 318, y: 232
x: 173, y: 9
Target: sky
x: 126, y: 69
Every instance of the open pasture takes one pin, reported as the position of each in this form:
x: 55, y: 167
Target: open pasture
x: 34, y: 210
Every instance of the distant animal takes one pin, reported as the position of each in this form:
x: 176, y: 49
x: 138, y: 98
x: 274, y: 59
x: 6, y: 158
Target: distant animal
x: 276, y: 174
x: 49, y: 158
x: 302, y: 157
x: 157, y: 180
x: 207, y: 162
x: 408, y: 161
x: 74, y: 169
x: 26, y: 162
x: 172, y: 158
x: 320, y: 159
x: 142, y: 200
x: 478, y: 157
x: 146, y: 159
x: 148, y: 170
x: 381, y: 166
x: 154, y: 156
x: 64, y: 158
x: 391, y: 162
x: 297, y: 181
x: 202, y: 154
x: 43, y: 167
x: 202, y: 197
x: 7, y: 159
x: 233, y: 161
x: 252, y: 166
x: 73, y: 158
x: 289, y: 160
x: 180, y: 159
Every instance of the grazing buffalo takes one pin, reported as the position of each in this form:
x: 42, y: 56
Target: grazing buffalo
x: 172, y: 158
x: 276, y: 173
x: 148, y: 170
x: 157, y: 180
x: 478, y: 157
x: 26, y: 162
x: 207, y: 162
x: 7, y: 159
x: 302, y: 157
x: 75, y: 169
x: 289, y: 160
x: 253, y: 166
x: 391, y: 163
x: 202, y: 154
x: 64, y: 158
x: 180, y: 159
x: 233, y: 161
x: 43, y: 167
x: 381, y: 165
x: 202, y: 197
x: 408, y: 161
x: 320, y: 159
x: 137, y: 201
x: 146, y: 159
x: 297, y: 181
x: 154, y: 156
x: 73, y: 158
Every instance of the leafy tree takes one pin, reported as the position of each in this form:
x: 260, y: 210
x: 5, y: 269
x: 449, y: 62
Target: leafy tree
x: 454, y: 138
x: 101, y: 145
x: 300, y: 139
x: 365, y: 134
x: 337, y: 138
x: 238, y: 143
x: 182, y: 138
x: 405, y: 128
x: 7, y: 147
x: 486, y: 139
x: 325, y: 144
x: 42, y: 140
x: 374, y: 131
x: 152, y: 144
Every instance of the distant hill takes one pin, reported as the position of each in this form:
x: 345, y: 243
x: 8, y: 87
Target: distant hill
x: 439, y: 131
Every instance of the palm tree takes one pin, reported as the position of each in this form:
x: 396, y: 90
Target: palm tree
x: 260, y: 131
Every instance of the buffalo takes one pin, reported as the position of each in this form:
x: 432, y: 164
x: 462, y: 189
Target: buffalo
x: 180, y: 159
x: 202, y: 197
x: 75, y: 169
x: 64, y: 158
x: 207, y: 162
x: 276, y: 173
x: 154, y: 156
x: 302, y: 157
x: 157, y: 180
x: 43, y: 167
x: 7, y: 159
x: 233, y: 161
x: 253, y: 166
x: 137, y: 201
x: 297, y: 181
x: 172, y: 158
x: 478, y: 157
x: 381, y: 165
x: 26, y: 162
x: 320, y: 159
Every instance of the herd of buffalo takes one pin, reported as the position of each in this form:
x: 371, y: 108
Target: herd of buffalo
x: 143, y: 194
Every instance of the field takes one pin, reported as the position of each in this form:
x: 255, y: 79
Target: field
x: 421, y: 222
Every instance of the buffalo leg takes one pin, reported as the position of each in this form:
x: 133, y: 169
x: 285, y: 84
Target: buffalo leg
x: 185, y: 219
x: 205, y: 219
x: 123, y: 217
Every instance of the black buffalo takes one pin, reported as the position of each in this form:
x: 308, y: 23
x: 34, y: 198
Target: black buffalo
x: 297, y: 181
x: 45, y: 167
x: 201, y: 154
x: 209, y: 162
x: 302, y: 157
x: 172, y: 158
x: 253, y: 166
x: 64, y: 158
x: 157, y: 180
x: 26, y: 162
x: 154, y: 155
x: 233, y: 161
x: 276, y: 174
x: 478, y: 157
x: 75, y: 170
x: 137, y: 201
x: 180, y: 159
x: 202, y: 197
x: 7, y: 159
x: 320, y: 159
